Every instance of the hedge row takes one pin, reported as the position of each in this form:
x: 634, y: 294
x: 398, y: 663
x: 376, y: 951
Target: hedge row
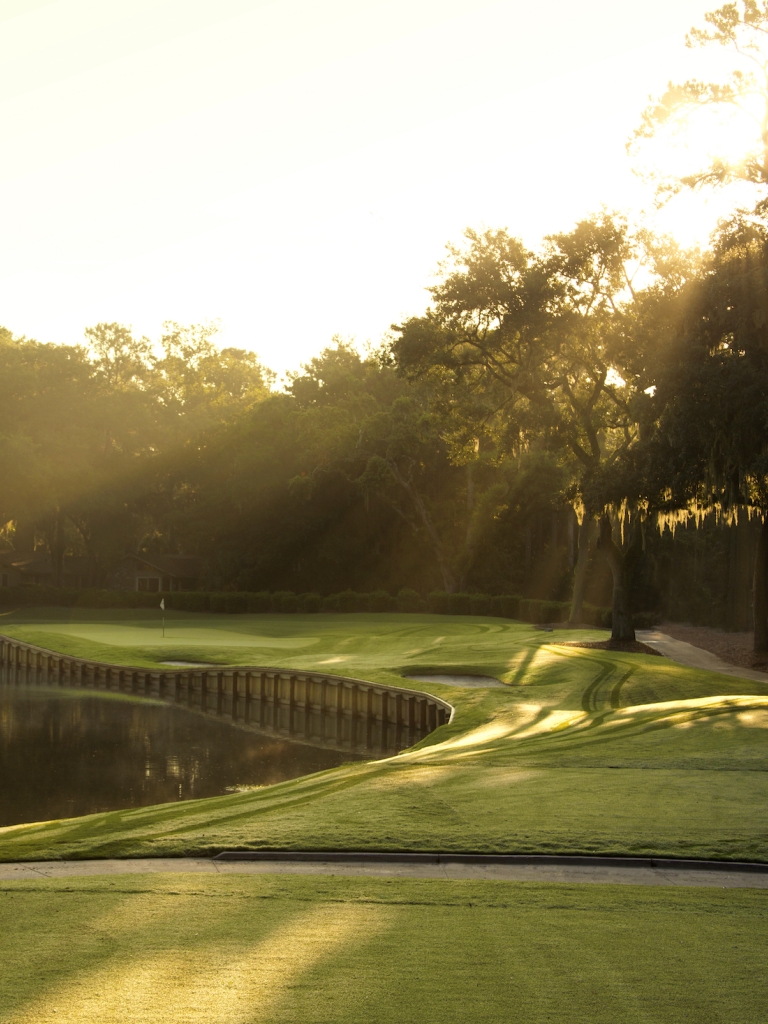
x: 232, y: 603
x: 507, y: 606
x: 59, y: 597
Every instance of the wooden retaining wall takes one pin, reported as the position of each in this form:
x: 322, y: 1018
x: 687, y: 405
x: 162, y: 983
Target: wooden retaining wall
x: 309, y: 707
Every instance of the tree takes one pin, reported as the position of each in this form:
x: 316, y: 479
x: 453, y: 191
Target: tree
x: 51, y: 428
x: 360, y: 420
x: 711, y: 451
x: 544, y: 342
x: 199, y: 384
x: 96, y: 441
x: 742, y: 28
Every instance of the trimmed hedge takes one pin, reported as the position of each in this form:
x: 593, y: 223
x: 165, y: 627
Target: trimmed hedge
x: 408, y: 600
x: 505, y: 606
x: 58, y: 597
x: 282, y: 602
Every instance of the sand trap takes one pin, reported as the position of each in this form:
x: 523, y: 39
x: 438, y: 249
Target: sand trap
x: 470, y: 681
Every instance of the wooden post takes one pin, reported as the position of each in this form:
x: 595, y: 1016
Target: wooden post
x: 307, y: 708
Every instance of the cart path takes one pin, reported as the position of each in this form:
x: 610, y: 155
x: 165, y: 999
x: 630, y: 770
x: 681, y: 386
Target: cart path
x: 694, y: 657
x: 550, y: 869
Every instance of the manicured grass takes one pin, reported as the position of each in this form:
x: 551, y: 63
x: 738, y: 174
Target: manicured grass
x: 283, y: 950
x: 585, y: 751
x: 344, y: 644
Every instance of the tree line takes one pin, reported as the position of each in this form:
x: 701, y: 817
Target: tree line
x: 549, y: 426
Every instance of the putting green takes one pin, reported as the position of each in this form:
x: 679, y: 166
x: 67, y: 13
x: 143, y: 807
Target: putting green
x: 138, y: 950
x: 584, y: 751
x: 363, y: 643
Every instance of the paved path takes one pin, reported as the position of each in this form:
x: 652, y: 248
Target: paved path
x: 695, y: 657
x: 594, y: 870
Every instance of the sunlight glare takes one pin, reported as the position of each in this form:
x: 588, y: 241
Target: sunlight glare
x: 240, y: 982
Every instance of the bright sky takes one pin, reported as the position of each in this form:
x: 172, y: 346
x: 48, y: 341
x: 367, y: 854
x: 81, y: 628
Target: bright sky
x: 295, y: 168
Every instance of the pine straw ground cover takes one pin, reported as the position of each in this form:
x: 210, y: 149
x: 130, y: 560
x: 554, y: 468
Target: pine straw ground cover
x: 585, y: 751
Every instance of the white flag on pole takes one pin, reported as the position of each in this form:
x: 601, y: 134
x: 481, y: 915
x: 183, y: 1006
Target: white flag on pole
x: 162, y: 604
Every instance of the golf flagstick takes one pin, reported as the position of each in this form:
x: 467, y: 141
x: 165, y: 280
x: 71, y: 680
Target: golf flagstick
x: 162, y: 605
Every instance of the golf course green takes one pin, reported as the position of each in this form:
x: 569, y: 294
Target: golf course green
x: 584, y: 751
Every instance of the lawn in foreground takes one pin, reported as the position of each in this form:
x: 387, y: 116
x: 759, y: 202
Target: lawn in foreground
x: 584, y: 752
x: 137, y: 950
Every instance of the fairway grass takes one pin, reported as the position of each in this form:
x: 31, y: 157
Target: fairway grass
x: 287, y: 949
x: 584, y: 751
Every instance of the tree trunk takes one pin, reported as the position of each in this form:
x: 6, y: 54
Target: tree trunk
x: 760, y: 593
x: 617, y: 561
x: 740, y: 574
x: 580, y: 576
x: 449, y: 579
x: 470, y: 488
x: 57, y: 545
x: 467, y: 557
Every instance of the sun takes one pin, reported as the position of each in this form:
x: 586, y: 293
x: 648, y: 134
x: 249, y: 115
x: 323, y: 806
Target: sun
x: 725, y: 136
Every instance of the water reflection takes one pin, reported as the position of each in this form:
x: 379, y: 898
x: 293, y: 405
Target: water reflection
x: 65, y: 752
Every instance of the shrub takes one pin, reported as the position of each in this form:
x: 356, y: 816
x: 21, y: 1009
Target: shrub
x: 40, y: 596
x: 229, y: 603
x: 507, y: 606
x: 379, y: 601
x: 408, y: 601
x: 459, y: 604
x: 480, y: 604
x: 237, y: 604
x: 189, y: 601
x: 534, y: 610
x: 285, y: 602
x: 91, y: 597
x: 438, y: 602
x: 593, y: 615
x: 555, y: 611
x: 346, y: 601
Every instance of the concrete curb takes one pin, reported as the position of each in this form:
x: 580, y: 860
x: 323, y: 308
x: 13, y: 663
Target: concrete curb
x: 565, y: 860
x: 446, y: 868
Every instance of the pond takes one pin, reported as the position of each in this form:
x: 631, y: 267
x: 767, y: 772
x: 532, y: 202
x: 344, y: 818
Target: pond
x: 67, y: 752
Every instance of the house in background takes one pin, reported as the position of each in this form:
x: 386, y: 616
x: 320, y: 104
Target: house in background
x: 155, y: 573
